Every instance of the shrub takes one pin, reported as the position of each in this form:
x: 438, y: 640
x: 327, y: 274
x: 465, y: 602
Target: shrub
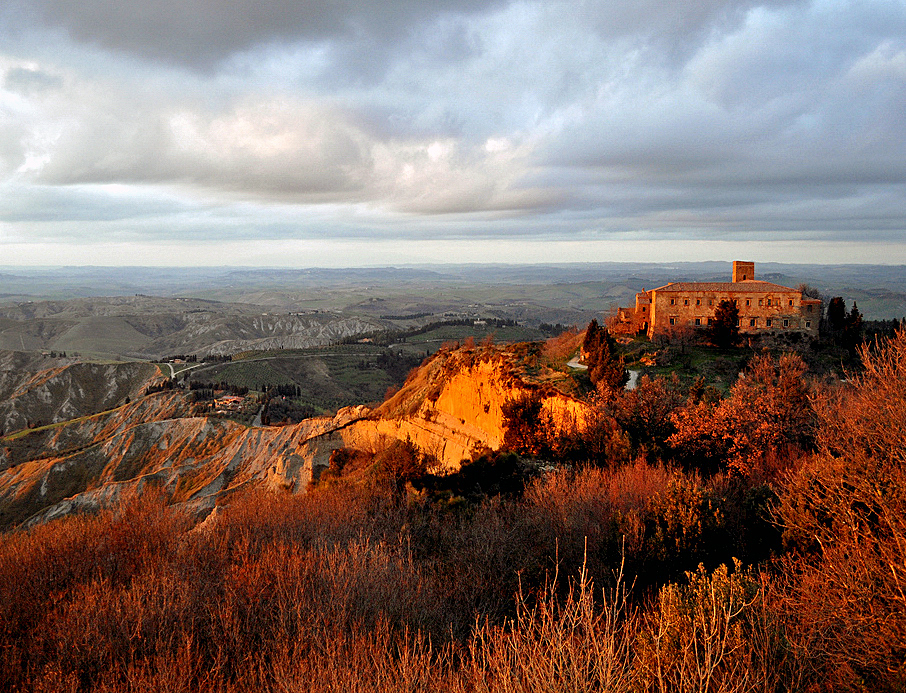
x: 767, y: 410
x: 645, y: 413
x: 844, y: 519
x: 695, y: 637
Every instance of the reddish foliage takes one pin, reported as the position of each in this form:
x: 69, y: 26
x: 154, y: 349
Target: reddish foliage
x: 767, y: 410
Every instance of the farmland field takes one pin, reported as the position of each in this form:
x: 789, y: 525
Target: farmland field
x: 430, y: 342
x: 329, y: 378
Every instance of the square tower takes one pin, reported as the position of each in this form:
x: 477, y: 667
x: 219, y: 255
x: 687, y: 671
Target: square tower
x: 743, y: 271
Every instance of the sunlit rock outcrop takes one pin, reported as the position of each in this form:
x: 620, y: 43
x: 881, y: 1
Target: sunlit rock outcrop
x: 450, y: 407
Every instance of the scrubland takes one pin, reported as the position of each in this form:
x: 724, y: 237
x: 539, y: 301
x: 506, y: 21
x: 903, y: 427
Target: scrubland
x: 686, y: 542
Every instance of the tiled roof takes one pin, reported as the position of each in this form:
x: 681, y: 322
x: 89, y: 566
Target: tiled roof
x: 748, y: 286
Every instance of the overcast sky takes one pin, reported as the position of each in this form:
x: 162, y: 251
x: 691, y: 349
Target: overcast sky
x: 332, y: 132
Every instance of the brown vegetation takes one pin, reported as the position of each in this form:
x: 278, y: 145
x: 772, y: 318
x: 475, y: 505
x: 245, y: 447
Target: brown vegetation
x: 780, y: 565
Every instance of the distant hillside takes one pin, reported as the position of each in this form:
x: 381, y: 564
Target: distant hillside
x: 147, y: 327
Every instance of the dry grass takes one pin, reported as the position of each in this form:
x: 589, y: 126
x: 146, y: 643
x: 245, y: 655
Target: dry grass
x: 347, y: 589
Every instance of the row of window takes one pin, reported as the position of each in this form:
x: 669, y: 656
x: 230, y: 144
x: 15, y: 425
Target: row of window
x: 685, y: 301
x: 770, y: 302
x: 753, y: 322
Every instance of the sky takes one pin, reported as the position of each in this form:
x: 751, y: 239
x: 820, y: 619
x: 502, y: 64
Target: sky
x: 340, y: 133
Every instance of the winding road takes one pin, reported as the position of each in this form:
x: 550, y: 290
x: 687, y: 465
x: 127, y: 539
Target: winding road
x: 174, y: 372
x: 633, y: 374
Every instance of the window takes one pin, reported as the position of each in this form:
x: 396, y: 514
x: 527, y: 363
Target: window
x: 737, y: 323
x: 710, y: 301
x: 698, y: 321
x: 768, y: 322
x: 698, y: 301
x: 644, y: 308
x: 769, y: 302
x: 786, y: 323
x: 672, y: 301
x: 710, y: 321
x: 760, y: 301
x: 752, y: 322
x: 748, y: 302
x: 791, y: 303
x: 808, y: 323
x: 686, y: 302
x: 672, y: 321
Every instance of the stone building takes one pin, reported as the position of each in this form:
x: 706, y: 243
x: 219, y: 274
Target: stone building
x: 764, y: 308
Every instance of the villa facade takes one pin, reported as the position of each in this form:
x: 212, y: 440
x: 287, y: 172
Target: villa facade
x: 764, y: 308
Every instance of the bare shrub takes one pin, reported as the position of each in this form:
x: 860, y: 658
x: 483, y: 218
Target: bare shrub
x: 553, y: 646
x: 348, y: 589
x: 661, y: 522
x: 844, y: 515
x: 845, y: 520
x: 563, y: 345
x: 695, y: 638
x: 870, y: 414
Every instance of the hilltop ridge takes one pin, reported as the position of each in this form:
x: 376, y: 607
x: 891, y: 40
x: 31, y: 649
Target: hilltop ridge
x: 451, y: 407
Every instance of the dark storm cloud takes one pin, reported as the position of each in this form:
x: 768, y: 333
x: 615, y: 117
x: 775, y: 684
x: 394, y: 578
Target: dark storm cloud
x: 203, y: 32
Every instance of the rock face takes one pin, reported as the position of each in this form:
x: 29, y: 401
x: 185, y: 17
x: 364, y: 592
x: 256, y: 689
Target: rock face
x: 30, y: 394
x: 449, y: 407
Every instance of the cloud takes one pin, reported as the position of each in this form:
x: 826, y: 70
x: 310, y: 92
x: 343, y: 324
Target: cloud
x: 273, y: 147
x: 508, y: 118
x: 285, y: 151
x: 28, y: 81
x: 258, y: 145
x: 201, y: 33
x: 788, y: 120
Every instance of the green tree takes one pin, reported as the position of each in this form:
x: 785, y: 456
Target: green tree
x: 528, y: 426
x: 605, y: 368
x: 836, y: 316
x: 401, y: 462
x: 725, y: 324
x: 595, y: 336
x: 852, y: 329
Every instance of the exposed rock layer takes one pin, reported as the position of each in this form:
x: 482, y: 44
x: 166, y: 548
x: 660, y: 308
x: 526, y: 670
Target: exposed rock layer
x: 450, y: 407
x: 35, y: 390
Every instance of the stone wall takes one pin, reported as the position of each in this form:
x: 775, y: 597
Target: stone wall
x: 758, y: 311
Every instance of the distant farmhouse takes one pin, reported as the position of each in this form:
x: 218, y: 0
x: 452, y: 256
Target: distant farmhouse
x: 764, y: 308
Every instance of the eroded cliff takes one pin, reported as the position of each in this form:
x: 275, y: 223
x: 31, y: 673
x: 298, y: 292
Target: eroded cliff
x: 450, y: 407
x: 36, y: 390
